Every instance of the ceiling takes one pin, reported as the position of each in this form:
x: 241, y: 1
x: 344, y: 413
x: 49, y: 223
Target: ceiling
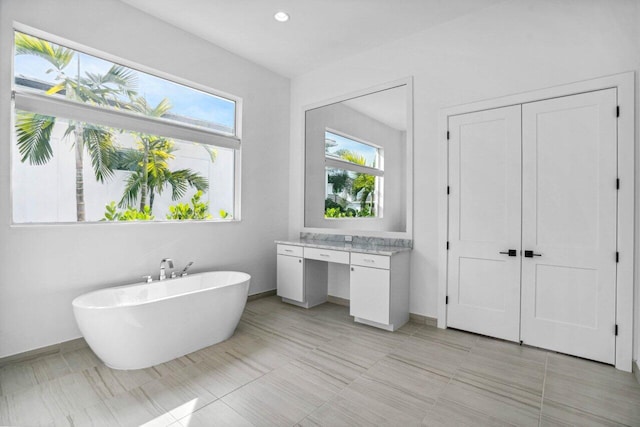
x: 319, y: 31
x: 387, y: 106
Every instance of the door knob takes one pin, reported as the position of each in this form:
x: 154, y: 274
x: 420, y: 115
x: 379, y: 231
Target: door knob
x: 510, y: 252
x: 530, y: 254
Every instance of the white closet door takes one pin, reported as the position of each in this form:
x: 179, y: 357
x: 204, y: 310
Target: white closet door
x: 485, y: 220
x: 569, y: 222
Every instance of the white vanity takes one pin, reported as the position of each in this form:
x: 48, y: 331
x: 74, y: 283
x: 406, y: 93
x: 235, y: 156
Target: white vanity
x: 378, y: 278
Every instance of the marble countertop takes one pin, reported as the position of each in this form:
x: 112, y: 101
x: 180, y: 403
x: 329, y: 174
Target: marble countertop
x: 370, y: 248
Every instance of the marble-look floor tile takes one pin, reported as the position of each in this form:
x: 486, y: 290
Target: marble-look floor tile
x: 607, y: 399
x: 81, y: 359
x: 25, y: 408
x: 504, y: 372
x: 440, y: 358
x: 450, y: 337
x: 222, y: 373
x: 447, y: 414
x: 286, y: 365
x: 135, y: 408
x: 113, y: 381
x: 50, y: 368
x: 369, y: 402
x: 23, y: 375
x: 216, y: 414
x: 417, y: 382
x: 362, y: 353
x: 342, y: 371
x: 262, y: 405
x: 555, y: 414
x: 282, y: 397
x: 484, y: 403
x: 17, y: 377
x: 177, y: 395
x: 97, y: 415
x: 410, y: 328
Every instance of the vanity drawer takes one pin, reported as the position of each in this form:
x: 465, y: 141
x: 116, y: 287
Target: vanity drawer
x: 290, y: 250
x: 369, y: 260
x: 328, y: 255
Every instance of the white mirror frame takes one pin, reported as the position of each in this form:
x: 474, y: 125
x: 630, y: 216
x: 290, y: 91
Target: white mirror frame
x: 408, y: 233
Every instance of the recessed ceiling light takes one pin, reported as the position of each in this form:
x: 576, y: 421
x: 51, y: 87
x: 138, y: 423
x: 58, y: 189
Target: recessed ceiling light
x: 281, y: 16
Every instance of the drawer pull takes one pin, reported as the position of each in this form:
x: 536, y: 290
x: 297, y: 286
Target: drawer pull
x: 299, y: 261
x: 369, y: 260
x: 288, y: 250
x: 325, y: 255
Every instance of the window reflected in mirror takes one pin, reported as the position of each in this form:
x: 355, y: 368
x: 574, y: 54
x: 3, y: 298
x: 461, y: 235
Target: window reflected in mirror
x: 356, y: 162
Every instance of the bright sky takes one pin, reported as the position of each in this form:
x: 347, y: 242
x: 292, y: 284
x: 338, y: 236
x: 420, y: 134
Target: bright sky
x: 185, y: 101
x: 367, y: 151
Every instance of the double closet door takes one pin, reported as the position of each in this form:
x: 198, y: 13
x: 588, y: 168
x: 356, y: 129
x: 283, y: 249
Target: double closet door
x: 532, y: 223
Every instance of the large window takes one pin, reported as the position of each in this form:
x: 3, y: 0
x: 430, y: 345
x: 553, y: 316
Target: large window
x: 98, y: 141
x: 354, y: 172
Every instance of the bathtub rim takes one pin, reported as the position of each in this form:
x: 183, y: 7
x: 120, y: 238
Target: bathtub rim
x: 245, y: 277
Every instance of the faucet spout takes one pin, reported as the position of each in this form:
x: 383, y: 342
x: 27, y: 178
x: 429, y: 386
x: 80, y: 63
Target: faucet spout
x: 167, y: 261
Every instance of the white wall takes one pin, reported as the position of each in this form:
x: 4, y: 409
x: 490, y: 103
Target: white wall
x: 513, y: 47
x: 44, y: 267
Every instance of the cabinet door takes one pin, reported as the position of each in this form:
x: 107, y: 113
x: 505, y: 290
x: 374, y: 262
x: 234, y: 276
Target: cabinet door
x: 291, y: 278
x: 370, y: 294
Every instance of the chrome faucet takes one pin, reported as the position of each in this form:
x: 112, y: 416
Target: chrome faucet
x: 169, y: 262
x: 184, y: 271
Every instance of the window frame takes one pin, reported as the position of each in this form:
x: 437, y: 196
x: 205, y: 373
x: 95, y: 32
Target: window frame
x: 38, y: 102
x: 378, y: 172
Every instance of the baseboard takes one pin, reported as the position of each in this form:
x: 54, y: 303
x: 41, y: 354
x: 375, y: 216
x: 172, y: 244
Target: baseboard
x: 423, y: 320
x: 635, y: 367
x: 337, y: 300
x: 264, y: 294
x: 49, y: 350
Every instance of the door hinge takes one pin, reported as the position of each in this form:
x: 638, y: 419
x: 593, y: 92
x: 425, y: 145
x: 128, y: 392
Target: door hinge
x: 447, y: 245
x: 617, y: 183
x: 617, y: 256
x: 446, y: 300
x: 616, y: 330
x: 448, y: 189
x: 448, y: 135
x: 618, y: 111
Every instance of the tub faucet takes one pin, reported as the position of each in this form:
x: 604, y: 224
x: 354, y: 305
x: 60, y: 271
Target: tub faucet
x: 184, y: 270
x: 169, y: 262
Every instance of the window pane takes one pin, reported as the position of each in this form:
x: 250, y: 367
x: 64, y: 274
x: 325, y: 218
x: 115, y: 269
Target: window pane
x: 44, y: 66
x: 350, y: 194
x: 184, y: 180
x: 349, y: 150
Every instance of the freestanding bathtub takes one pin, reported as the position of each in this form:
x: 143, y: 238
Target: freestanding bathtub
x: 141, y: 325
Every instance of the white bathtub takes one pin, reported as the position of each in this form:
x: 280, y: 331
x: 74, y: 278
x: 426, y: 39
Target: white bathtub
x: 141, y: 325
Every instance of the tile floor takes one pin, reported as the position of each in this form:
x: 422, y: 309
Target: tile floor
x: 290, y: 366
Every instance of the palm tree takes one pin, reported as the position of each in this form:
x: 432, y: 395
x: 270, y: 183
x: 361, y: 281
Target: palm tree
x: 149, y: 164
x: 34, y: 130
x: 150, y: 173
x: 363, y: 184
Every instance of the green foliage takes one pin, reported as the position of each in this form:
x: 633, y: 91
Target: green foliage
x: 130, y: 214
x: 340, y: 180
x: 362, y: 188
x: 149, y: 163
x: 197, y: 209
x: 330, y: 203
x: 225, y: 215
x: 339, y: 213
x: 34, y: 130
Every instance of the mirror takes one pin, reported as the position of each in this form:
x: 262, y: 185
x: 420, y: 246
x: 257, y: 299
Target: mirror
x: 358, y: 168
